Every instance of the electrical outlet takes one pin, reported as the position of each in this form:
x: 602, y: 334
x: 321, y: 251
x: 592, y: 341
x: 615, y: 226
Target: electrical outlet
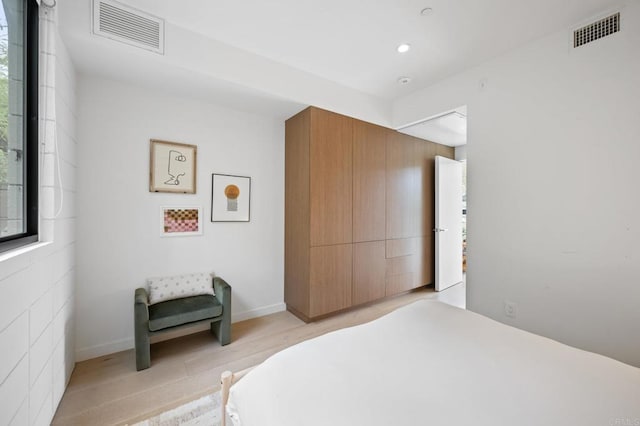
x: 510, y: 308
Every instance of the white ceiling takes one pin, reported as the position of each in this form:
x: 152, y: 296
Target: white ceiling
x: 350, y: 43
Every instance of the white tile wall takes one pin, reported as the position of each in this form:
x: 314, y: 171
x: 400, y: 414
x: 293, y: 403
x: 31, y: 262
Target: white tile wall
x: 14, y: 295
x: 47, y: 169
x: 22, y: 416
x: 37, y: 288
x: 40, y: 315
x: 62, y: 323
x: 63, y: 291
x: 40, y: 352
x: 66, y: 146
x: 12, y: 354
x: 14, y: 391
x: 41, y: 393
x: 59, y: 369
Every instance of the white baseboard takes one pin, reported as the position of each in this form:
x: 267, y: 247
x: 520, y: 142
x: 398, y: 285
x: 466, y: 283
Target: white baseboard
x: 258, y: 312
x: 128, y: 343
x: 104, y: 349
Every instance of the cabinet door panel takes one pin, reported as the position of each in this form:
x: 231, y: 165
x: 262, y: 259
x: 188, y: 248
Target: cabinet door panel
x: 424, y: 262
x: 331, y: 166
x: 425, y: 155
x: 402, y: 187
x: 368, y: 271
x: 330, y: 279
x: 296, y: 212
x: 369, y: 149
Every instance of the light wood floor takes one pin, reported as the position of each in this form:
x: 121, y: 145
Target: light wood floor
x: 108, y: 390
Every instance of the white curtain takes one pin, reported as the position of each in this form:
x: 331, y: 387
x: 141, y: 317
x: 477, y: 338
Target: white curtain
x: 51, y: 193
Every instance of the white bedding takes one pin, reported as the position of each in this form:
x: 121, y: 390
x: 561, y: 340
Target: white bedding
x: 434, y: 364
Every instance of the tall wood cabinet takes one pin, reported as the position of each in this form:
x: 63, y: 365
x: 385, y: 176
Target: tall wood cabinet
x: 358, y: 212
x: 318, y: 213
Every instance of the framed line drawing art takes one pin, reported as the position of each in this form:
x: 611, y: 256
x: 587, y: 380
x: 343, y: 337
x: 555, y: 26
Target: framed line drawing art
x: 181, y: 221
x: 230, y: 198
x: 172, y: 167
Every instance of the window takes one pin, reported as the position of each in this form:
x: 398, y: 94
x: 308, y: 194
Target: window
x: 18, y: 123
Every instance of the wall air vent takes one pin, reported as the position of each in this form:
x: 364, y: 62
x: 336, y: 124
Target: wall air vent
x: 594, y: 31
x: 127, y: 25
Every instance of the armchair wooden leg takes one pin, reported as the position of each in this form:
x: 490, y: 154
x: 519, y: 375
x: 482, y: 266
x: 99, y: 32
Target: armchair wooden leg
x: 226, y: 380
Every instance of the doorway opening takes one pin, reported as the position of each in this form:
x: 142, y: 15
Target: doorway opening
x: 450, y: 129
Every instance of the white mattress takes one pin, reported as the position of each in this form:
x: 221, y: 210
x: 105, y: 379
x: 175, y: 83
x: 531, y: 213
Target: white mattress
x: 434, y: 364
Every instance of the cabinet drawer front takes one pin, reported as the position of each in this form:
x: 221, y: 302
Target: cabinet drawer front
x: 401, y: 247
x: 400, y: 283
x: 401, y: 265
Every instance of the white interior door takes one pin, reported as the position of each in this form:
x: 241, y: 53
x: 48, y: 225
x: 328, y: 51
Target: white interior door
x: 448, y: 230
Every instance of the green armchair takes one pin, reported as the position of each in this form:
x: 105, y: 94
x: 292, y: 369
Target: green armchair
x: 172, y: 314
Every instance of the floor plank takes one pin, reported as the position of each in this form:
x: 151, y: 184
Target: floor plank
x: 109, y: 391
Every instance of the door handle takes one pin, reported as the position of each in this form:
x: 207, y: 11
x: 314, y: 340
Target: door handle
x: 440, y: 229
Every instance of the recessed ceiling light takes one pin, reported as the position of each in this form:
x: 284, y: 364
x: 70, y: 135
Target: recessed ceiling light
x: 404, y: 47
x: 426, y: 11
x: 404, y: 80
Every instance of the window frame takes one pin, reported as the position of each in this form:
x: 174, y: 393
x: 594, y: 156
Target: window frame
x: 30, y: 126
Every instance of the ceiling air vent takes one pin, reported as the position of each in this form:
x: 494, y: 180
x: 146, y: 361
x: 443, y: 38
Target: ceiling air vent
x: 594, y: 31
x: 127, y: 25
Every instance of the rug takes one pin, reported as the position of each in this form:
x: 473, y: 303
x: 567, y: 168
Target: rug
x: 201, y: 412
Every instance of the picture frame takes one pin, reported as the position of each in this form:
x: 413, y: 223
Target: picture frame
x: 230, y: 198
x: 181, y: 221
x: 172, y: 167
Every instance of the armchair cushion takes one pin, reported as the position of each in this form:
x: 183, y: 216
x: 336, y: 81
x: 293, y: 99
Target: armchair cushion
x: 169, y: 288
x: 182, y: 311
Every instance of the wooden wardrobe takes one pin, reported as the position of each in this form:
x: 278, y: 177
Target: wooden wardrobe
x: 358, y: 212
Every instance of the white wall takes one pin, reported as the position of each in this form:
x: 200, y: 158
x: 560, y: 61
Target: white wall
x: 552, y: 186
x: 37, y: 285
x: 461, y: 152
x: 119, y: 242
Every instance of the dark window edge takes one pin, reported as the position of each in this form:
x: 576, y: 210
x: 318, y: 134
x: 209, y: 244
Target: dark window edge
x: 31, y: 143
x: 17, y: 242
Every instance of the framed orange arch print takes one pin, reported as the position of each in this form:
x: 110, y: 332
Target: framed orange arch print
x: 230, y: 198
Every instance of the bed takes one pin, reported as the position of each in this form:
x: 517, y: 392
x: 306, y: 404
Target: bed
x: 430, y: 363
